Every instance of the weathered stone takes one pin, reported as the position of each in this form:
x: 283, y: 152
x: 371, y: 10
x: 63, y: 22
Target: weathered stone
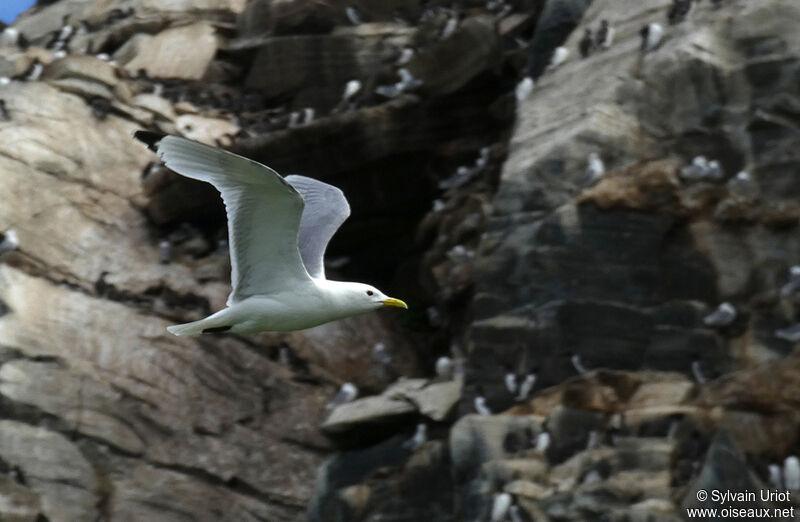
x: 54, y: 468
x: 181, y: 52
x: 81, y: 67
x: 316, y: 68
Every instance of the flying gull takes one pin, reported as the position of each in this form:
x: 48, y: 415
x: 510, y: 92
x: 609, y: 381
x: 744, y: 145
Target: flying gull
x: 278, y: 229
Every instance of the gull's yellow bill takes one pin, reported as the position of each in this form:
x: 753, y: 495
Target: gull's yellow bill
x: 394, y: 302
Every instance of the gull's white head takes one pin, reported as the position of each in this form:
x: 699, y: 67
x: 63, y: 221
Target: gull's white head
x: 361, y: 298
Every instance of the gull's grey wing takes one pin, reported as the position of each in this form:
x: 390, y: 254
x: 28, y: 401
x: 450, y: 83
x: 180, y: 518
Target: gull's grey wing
x: 264, y: 213
x: 325, y: 211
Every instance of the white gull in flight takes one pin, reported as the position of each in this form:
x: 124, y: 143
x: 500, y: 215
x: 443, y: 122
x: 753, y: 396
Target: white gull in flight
x: 278, y: 230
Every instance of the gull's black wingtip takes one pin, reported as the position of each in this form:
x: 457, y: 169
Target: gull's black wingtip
x: 149, y: 138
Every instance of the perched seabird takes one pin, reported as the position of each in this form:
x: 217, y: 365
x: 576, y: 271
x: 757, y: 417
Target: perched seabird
x: 543, y: 441
x: 722, y: 316
x: 380, y: 355
x: 577, y: 364
x: 500, y: 505
x: 308, y: 115
x: 480, y: 406
x: 352, y: 15
x: 605, y: 35
x: 775, y: 476
x: 278, y: 230
x: 33, y: 72
x: 526, y: 387
x: 61, y: 38
x: 791, y: 473
x: 793, y: 284
x: 444, y: 367
x: 511, y: 383
x: 4, y: 111
x: 651, y: 36
x: 419, y: 438
x: 593, y: 441
x: 294, y: 119
x: 743, y: 186
x: 5, y: 80
x: 559, y: 56
x: 595, y: 169
x: 351, y: 88
x: 389, y: 91
x: 697, y: 372
x: 61, y: 53
x: 586, y: 43
x: 407, y: 80
x: 524, y: 88
x: 714, y: 171
x: 103, y: 56
x: 405, y: 56
x: 164, y: 252
x: 696, y: 170
x: 483, y: 157
x: 9, y: 37
x: 347, y: 393
x: 790, y: 333
x: 8, y: 241
x: 449, y: 27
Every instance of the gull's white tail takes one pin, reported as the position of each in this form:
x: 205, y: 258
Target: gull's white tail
x: 194, y: 328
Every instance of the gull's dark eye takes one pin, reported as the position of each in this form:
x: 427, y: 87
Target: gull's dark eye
x: 370, y: 292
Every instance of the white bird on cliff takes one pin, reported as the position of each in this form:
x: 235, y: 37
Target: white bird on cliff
x: 790, y: 333
x: 743, y: 186
x: 651, y: 36
x: 419, y: 438
x: 481, y: 407
x: 714, y: 170
x: 543, y: 441
x: 347, y: 393
x: 559, y: 56
x: 444, y: 367
x: 791, y: 473
x: 526, y: 386
x: 351, y: 89
x: 577, y: 364
x: 278, y: 230
x: 500, y: 505
x: 696, y: 170
x: 722, y: 316
x: 405, y: 56
x: 775, y: 476
x: 793, y: 284
x: 595, y: 168
x: 380, y: 354
x: 697, y: 371
x: 605, y: 35
x: 9, y: 241
x: 524, y: 88
x: 9, y: 36
x: 511, y: 383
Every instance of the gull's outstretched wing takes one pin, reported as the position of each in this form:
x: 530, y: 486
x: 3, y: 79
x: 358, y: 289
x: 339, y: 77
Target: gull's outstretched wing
x: 325, y: 211
x: 263, y: 213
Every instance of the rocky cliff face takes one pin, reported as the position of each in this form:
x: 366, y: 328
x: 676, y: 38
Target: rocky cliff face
x: 597, y: 292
